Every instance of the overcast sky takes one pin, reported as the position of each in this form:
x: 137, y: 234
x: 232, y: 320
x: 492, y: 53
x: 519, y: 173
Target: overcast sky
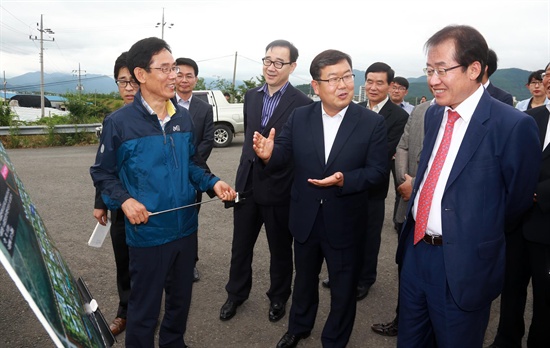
x: 94, y: 33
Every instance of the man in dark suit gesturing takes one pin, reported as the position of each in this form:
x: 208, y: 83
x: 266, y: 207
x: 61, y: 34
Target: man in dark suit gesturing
x: 477, y: 172
x: 265, y: 198
x: 202, y: 116
x: 339, y: 152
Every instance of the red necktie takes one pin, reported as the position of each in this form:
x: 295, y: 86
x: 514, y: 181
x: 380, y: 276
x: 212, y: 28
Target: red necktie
x: 427, y: 193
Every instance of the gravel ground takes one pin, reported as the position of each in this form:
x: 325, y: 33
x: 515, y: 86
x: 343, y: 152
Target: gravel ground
x: 58, y: 181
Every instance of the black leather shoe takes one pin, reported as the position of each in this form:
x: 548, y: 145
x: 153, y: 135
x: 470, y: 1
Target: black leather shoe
x: 229, y: 309
x: 290, y: 341
x: 276, y: 311
x: 386, y: 329
x: 196, y: 275
x: 362, y: 292
x: 326, y: 283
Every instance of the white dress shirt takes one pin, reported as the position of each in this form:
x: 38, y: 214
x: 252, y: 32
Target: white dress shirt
x: 331, y: 124
x: 465, y: 110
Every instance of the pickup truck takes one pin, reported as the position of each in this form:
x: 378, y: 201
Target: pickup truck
x: 228, y: 118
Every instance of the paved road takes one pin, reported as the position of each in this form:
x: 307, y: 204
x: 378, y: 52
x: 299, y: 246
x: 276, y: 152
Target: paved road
x: 57, y: 180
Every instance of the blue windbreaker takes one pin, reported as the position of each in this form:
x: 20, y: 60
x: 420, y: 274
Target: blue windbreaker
x: 138, y: 159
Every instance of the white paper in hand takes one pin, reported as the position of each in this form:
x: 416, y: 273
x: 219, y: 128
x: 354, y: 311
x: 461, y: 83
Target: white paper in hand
x: 99, y: 234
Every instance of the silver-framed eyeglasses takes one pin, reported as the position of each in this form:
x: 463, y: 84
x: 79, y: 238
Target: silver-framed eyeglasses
x: 168, y: 69
x: 334, y: 81
x: 124, y: 83
x: 439, y: 71
x: 277, y: 64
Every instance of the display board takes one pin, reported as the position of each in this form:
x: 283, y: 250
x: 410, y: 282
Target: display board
x: 62, y: 304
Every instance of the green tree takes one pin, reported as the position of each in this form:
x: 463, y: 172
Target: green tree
x: 5, y: 116
x: 237, y: 92
x: 89, y: 108
x: 201, y: 85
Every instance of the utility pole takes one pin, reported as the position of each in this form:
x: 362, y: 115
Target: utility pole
x: 5, y: 83
x: 42, y: 31
x: 79, y: 86
x: 162, y: 24
x: 234, y: 74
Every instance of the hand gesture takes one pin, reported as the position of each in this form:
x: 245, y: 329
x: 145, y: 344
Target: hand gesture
x: 336, y: 179
x: 263, y: 146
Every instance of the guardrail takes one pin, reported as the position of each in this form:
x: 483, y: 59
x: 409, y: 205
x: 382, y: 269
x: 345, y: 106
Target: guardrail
x: 40, y: 130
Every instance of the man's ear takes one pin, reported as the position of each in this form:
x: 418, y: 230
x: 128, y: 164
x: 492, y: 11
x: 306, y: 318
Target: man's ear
x: 474, y: 70
x: 141, y: 74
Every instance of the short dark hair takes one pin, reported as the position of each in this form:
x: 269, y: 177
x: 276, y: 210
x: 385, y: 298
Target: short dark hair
x: 470, y: 45
x: 283, y: 43
x: 492, y: 62
x: 381, y: 67
x: 548, y: 66
x: 189, y: 62
x: 141, y: 53
x: 401, y: 81
x: 120, y: 62
x: 327, y: 58
x: 535, y: 75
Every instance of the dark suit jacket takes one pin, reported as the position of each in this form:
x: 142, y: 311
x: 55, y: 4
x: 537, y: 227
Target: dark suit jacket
x: 500, y: 94
x: 359, y: 152
x: 275, y: 188
x: 493, y: 178
x: 395, y: 118
x: 536, y: 226
x: 203, y: 125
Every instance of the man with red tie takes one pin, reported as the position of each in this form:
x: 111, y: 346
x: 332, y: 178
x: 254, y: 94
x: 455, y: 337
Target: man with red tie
x: 477, y: 172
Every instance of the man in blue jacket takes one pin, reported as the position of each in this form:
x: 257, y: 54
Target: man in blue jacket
x: 145, y: 164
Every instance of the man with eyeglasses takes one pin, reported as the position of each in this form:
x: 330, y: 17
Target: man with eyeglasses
x: 202, y: 116
x: 537, y: 90
x: 493, y: 90
x: 146, y: 165
x: 378, y: 79
x: 264, y: 198
x: 398, y: 90
x: 339, y: 151
x: 127, y: 88
x: 477, y: 173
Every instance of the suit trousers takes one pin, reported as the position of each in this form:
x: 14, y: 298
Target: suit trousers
x: 248, y: 218
x: 428, y: 314
x: 341, y: 265
x: 122, y: 260
x: 372, y: 240
x: 167, y: 267
x: 539, y: 259
x: 511, y: 326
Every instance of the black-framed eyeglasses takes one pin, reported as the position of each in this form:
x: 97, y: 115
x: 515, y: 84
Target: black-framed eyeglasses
x: 399, y: 88
x: 277, y: 64
x: 124, y: 83
x: 334, y: 81
x: 168, y: 69
x: 439, y: 71
x: 534, y: 83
